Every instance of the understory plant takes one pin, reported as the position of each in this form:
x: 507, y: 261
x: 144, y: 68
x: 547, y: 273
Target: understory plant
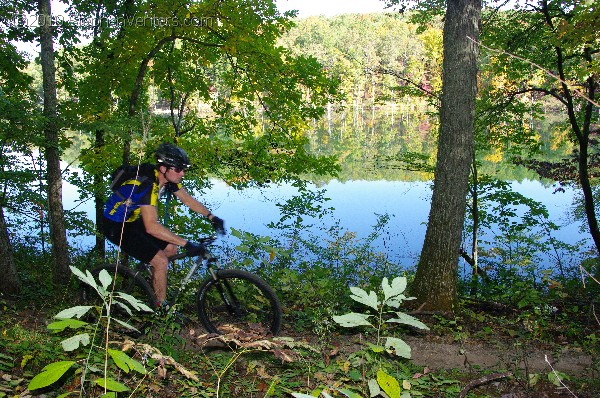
x: 102, y: 360
x: 381, y: 311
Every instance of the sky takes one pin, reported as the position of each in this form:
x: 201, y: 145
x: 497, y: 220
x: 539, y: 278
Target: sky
x: 329, y: 8
x: 306, y: 8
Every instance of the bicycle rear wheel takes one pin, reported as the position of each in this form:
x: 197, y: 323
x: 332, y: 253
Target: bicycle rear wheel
x: 238, y: 301
x: 127, y: 281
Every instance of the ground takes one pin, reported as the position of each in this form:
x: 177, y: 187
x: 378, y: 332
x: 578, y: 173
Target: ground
x: 493, y: 366
x: 440, y: 353
x: 497, y: 369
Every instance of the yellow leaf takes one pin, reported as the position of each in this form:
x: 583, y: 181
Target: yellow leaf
x: 406, y: 384
x: 346, y: 366
x: 388, y: 384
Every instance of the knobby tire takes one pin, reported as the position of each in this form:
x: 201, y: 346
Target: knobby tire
x: 259, y: 309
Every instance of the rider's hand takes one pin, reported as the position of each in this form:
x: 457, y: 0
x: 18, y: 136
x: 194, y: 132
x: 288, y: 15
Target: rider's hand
x: 218, y: 225
x: 193, y: 249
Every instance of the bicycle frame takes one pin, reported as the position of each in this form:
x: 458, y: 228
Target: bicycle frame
x: 230, y: 296
x: 207, y: 259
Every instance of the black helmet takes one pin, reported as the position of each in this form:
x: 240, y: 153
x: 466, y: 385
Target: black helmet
x: 171, y: 156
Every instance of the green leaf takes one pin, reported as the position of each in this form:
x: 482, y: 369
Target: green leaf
x: 86, y: 278
x: 388, y: 384
x: 128, y: 326
x: 376, y: 348
x: 352, y: 319
x: 397, y: 287
x: 348, y: 393
x: 76, y: 312
x: 105, y: 279
x: 369, y: 299
x: 111, y: 385
x: 355, y: 375
x: 374, y: 389
x: 533, y: 379
x: 50, y: 374
x: 300, y: 395
x: 122, y: 305
x: 408, y: 320
x: 61, y: 325
x: 72, y: 343
x: 398, y: 347
x: 556, y: 378
x: 125, y: 362
x: 67, y: 394
x: 243, y: 249
x: 136, y: 303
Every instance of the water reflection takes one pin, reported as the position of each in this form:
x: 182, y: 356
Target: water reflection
x: 356, y: 206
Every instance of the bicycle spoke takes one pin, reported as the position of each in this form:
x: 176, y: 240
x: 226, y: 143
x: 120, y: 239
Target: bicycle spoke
x: 236, y: 303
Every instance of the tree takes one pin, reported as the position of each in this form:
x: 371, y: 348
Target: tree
x: 549, y: 49
x: 435, y: 281
x: 221, y: 57
x: 17, y: 115
x: 58, y: 231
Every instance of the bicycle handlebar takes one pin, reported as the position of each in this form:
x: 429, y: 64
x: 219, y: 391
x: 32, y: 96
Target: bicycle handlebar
x: 204, y: 242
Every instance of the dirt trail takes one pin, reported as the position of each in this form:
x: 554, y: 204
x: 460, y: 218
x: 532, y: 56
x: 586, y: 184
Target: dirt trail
x: 438, y: 353
x: 435, y: 353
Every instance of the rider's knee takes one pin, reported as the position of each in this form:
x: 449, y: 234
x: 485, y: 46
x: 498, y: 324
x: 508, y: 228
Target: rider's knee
x: 160, y: 261
x: 170, y: 250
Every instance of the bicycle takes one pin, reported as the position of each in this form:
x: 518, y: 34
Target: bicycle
x: 226, y: 300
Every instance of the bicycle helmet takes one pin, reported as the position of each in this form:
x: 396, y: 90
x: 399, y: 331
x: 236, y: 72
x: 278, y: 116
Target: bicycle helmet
x: 171, y: 156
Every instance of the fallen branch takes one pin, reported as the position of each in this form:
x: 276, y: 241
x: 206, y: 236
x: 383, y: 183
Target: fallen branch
x: 152, y: 352
x: 483, y: 380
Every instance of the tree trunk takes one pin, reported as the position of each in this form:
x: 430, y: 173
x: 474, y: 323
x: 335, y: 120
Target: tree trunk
x: 10, y: 285
x: 58, y: 232
x: 99, y: 200
x: 475, y: 243
x: 435, y: 281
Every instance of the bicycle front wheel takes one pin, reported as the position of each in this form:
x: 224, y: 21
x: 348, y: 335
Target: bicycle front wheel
x: 238, y: 301
x: 128, y: 281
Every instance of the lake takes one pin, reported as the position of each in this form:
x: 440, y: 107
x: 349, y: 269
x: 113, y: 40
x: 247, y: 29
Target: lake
x: 371, y: 183
x: 356, y: 205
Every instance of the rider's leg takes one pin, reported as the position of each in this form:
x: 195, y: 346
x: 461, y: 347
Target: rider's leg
x: 160, y: 264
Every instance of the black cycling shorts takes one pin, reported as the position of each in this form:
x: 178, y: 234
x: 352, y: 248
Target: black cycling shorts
x: 136, y: 241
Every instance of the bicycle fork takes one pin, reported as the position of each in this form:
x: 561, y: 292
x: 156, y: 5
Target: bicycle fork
x: 226, y: 293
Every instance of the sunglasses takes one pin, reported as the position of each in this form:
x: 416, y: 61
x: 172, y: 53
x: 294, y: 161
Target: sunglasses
x: 178, y: 169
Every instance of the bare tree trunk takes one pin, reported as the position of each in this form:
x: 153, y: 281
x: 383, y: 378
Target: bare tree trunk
x: 58, y: 233
x: 99, y: 199
x: 474, y: 244
x: 10, y: 285
x: 435, y: 282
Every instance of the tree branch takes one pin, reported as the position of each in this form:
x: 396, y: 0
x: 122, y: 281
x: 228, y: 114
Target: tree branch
x: 546, y: 71
x: 396, y: 74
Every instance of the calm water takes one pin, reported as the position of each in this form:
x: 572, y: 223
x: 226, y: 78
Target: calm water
x: 356, y: 205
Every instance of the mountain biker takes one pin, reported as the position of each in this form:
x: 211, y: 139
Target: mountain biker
x: 131, y: 214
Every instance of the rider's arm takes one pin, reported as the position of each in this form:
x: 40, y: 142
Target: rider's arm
x: 192, y: 203
x: 156, y: 229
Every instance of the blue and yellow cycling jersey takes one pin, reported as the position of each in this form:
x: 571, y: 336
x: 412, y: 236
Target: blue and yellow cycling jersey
x: 124, y: 204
